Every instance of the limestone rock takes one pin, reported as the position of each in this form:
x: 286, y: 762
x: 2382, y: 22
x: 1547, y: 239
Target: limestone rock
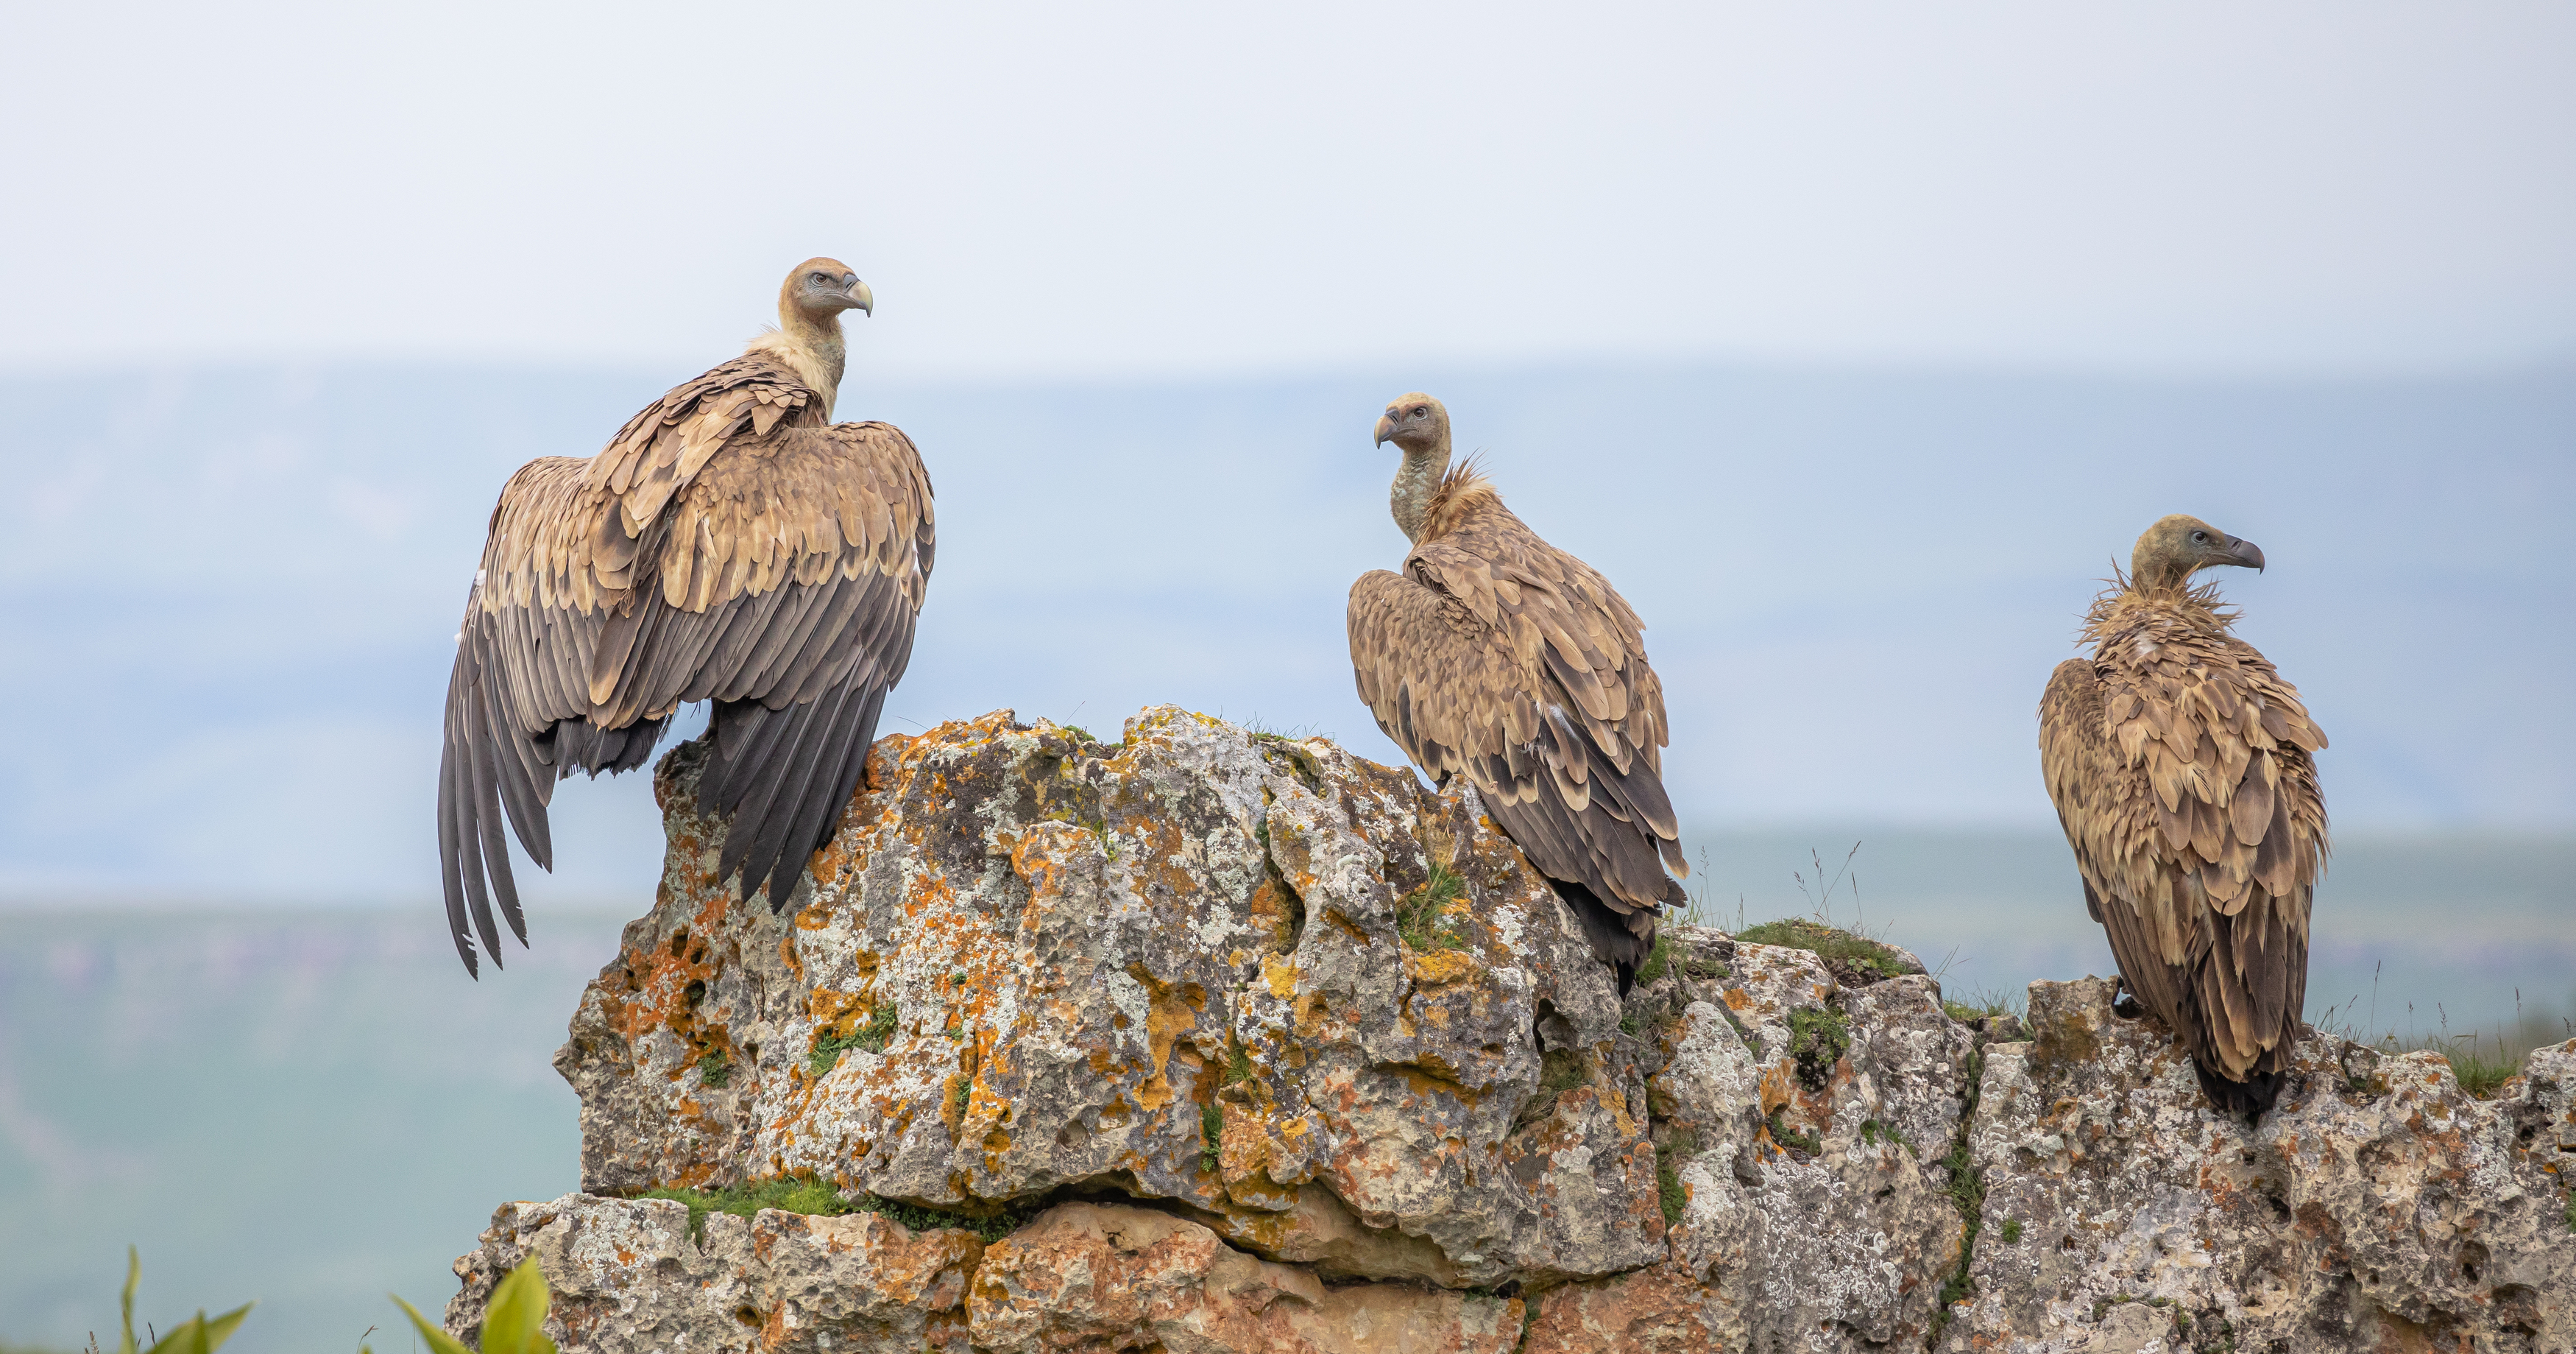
x: 1808, y: 1124
x: 1276, y: 1050
x: 1088, y: 1276
x: 628, y: 1278
x: 2377, y: 1206
x: 1031, y: 964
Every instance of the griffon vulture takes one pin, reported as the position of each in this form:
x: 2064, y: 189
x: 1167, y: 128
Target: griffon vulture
x: 2184, y: 775
x: 1499, y: 657
x: 731, y: 544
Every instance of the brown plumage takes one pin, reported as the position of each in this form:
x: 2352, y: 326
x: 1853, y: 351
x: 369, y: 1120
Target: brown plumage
x: 1499, y: 657
x: 731, y: 544
x: 2181, y: 766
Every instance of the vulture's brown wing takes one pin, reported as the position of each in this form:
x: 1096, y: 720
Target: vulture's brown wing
x: 670, y: 441
x: 1500, y: 658
x: 2180, y: 766
x: 781, y: 580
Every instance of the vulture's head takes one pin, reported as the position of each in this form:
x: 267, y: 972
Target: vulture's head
x: 1414, y: 422
x: 2179, y: 546
x: 820, y: 289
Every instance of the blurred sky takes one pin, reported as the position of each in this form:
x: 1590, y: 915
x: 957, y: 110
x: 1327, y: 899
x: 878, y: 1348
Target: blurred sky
x: 1152, y: 190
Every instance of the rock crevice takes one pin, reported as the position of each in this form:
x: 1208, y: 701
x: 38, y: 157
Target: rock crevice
x: 1295, y: 1054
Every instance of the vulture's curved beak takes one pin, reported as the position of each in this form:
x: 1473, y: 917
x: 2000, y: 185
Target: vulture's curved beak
x: 861, y: 299
x: 2246, y: 553
x: 1385, y: 429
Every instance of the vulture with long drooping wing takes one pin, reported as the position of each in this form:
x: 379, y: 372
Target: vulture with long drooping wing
x: 2184, y: 775
x: 732, y: 544
x: 1499, y: 657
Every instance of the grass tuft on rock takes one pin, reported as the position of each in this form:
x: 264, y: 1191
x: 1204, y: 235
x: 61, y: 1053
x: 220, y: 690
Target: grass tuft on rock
x: 1422, y: 916
x: 715, y: 1069
x: 1819, y: 1036
x: 872, y: 1036
x: 1975, y: 1006
x: 1561, y: 1070
x: 1670, y: 1192
x: 1658, y: 959
x: 818, y: 1198
x: 1788, y: 1137
x: 1854, y: 959
x: 1211, y: 1137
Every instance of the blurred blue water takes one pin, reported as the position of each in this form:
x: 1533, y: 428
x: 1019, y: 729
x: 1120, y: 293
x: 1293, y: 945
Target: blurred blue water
x: 311, y: 1107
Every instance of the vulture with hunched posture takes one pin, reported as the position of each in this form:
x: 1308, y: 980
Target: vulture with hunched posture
x: 1499, y: 657
x: 2183, y: 771
x: 732, y: 544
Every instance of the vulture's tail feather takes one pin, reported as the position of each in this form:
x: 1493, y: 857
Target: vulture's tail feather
x: 784, y: 776
x: 1610, y: 932
x: 813, y: 759
x: 2249, y: 1098
x: 580, y: 745
x: 753, y: 746
x: 819, y: 815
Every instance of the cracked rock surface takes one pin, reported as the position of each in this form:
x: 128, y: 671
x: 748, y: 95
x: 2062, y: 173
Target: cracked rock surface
x: 1242, y: 1043
x: 2377, y: 1207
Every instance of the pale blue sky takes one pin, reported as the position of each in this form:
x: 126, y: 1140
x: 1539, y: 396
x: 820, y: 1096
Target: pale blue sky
x: 1045, y: 190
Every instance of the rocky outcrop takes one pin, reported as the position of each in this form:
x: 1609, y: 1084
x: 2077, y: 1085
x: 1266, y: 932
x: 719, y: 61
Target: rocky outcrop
x: 2376, y: 1207
x: 1233, y: 1042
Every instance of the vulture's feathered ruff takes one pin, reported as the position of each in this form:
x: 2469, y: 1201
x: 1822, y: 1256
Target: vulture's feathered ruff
x: 2181, y: 766
x: 1499, y: 657
x: 731, y: 544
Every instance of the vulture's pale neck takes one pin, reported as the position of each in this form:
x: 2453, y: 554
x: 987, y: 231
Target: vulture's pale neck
x: 1417, y: 482
x: 815, y: 349
x: 2159, y: 576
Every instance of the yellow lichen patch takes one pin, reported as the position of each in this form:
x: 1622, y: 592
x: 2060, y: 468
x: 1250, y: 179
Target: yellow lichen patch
x: 1429, y: 1076
x: 847, y: 851
x: 1437, y: 969
x: 1279, y: 974
x: 1038, y: 857
x: 1307, y: 1017
x: 1272, y: 914
x: 1778, y: 1088
x: 1171, y: 1010
x: 930, y: 893
x: 1345, y: 925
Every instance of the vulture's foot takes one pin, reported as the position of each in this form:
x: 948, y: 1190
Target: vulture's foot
x: 2124, y: 1004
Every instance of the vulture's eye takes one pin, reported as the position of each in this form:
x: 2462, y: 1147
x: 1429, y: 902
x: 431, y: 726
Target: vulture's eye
x: 2201, y: 536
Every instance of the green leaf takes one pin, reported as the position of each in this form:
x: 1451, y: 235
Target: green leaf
x: 221, y: 1328
x: 197, y: 1335
x: 133, y: 1278
x: 440, y: 1342
x: 512, y: 1324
